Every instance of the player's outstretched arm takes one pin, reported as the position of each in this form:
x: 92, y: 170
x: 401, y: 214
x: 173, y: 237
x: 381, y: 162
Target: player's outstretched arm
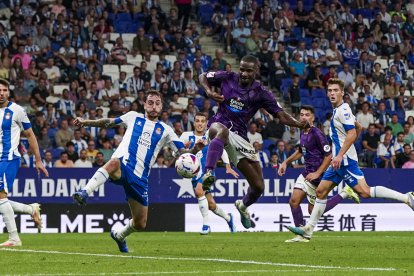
x: 322, y: 168
x: 295, y: 156
x: 287, y: 119
x: 104, y: 122
x: 214, y: 95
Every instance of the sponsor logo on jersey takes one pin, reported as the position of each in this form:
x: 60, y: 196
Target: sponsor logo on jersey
x: 241, y: 149
x: 236, y: 104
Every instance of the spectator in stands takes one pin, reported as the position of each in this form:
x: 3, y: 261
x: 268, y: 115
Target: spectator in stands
x: 370, y: 143
x: 64, y: 161
x: 43, y: 139
x: 403, y: 156
x: 346, y: 75
x: 279, y: 150
x: 160, y: 162
x: 315, y: 55
x: 410, y: 163
x: 291, y: 136
x: 66, y: 107
x: 21, y: 94
x: 82, y: 162
x: 141, y: 44
x: 351, y: 54
x: 261, y: 155
x: 331, y: 74
x: 395, y: 125
x: 365, y: 117
x: 240, y: 35
x: 63, y: 135
x: 315, y: 78
x: 297, y: 66
x: 408, y: 135
x: 382, y: 117
x: 71, y: 150
x: 274, y: 130
x: 48, y: 159
x: 119, y: 52
x: 384, y: 153
x: 273, y: 162
x: 398, y: 145
x: 253, y: 135
x: 79, y: 143
x: 99, y: 160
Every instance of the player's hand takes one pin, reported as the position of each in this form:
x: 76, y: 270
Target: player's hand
x: 230, y: 170
x: 200, y: 144
x: 78, y: 121
x: 41, y: 168
x: 336, y: 162
x: 312, y: 176
x: 282, y: 169
x: 303, y: 125
x: 216, y: 96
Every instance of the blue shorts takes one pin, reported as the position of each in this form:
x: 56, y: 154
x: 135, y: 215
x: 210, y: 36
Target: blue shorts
x: 8, y: 172
x: 349, y: 174
x: 134, y: 187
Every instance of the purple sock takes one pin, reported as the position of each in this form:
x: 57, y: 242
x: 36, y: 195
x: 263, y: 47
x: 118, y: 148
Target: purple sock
x: 251, y: 197
x: 214, y: 152
x: 332, y: 202
x: 297, y: 216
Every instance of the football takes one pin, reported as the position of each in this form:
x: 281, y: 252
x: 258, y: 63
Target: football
x: 187, y: 165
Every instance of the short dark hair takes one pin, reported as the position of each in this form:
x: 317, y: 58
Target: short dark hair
x: 250, y: 59
x: 308, y: 108
x: 5, y: 82
x: 201, y: 114
x: 399, y: 133
x: 153, y: 93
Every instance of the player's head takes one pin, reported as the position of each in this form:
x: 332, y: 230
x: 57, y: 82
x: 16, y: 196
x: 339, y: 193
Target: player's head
x: 4, y: 91
x: 152, y: 104
x: 307, y: 114
x: 200, y: 122
x: 249, y: 66
x: 336, y: 91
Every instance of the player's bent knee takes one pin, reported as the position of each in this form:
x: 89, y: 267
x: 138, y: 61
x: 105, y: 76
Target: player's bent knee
x: 294, y: 202
x: 322, y: 194
x: 112, y: 165
x: 212, y: 206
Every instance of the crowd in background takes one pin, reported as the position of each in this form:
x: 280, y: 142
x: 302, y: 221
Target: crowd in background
x: 67, y: 59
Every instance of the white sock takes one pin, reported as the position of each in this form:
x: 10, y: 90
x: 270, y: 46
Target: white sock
x: 203, y: 206
x: 98, y: 179
x: 343, y: 194
x: 317, y: 212
x: 6, y: 210
x: 21, y: 208
x: 382, y: 192
x: 219, y: 212
x: 126, y: 231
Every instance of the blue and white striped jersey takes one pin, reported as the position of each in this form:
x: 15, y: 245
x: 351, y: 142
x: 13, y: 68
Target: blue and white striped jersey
x: 342, y: 121
x: 142, y: 142
x: 13, y: 120
x: 189, y: 136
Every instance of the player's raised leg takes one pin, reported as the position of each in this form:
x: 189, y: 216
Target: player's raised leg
x: 110, y: 169
x: 219, y: 136
x: 30, y: 209
x: 254, y: 175
x: 215, y: 208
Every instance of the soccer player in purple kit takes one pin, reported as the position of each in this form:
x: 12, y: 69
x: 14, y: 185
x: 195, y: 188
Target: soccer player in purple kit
x: 314, y: 147
x: 240, y: 98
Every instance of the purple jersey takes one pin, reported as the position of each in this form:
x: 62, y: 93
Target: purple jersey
x: 240, y: 104
x: 314, y: 147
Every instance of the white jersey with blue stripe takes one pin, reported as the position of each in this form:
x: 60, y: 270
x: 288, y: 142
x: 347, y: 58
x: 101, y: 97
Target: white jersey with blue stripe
x: 13, y: 120
x: 142, y: 142
x: 189, y: 136
x: 342, y: 121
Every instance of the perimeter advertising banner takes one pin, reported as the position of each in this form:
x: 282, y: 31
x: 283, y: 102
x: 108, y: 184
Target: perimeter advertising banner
x: 173, y: 206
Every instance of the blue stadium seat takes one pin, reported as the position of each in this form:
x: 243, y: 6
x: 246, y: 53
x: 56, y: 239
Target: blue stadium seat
x: 124, y: 17
x: 267, y: 143
x: 199, y: 102
x: 318, y: 103
x: 56, y: 153
x: 287, y: 82
x: 306, y: 101
x: 304, y: 93
x: 319, y: 93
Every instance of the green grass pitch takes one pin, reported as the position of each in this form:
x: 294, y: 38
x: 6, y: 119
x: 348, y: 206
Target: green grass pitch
x: 339, y: 253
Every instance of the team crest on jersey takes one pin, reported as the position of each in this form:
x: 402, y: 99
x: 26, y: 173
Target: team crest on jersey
x: 327, y: 148
x: 7, y: 116
x: 158, y: 130
x: 139, y: 123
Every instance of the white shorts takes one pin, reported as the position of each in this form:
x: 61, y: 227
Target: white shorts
x: 307, y: 187
x: 238, y: 148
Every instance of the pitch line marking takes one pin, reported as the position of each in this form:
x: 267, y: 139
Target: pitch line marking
x: 183, y: 272
x: 200, y: 259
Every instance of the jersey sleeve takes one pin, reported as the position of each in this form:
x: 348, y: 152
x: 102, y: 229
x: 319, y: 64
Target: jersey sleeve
x: 322, y: 142
x: 184, y: 137
x: 172, y: 140
x: 225, y: 157
x: 127, y: 117
x: 23, y: 119
x: 215, y: 78
x: 269, y: 103
x: 346, y: 118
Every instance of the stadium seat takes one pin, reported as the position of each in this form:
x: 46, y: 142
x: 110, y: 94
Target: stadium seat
x: 114, y: 76
x: 171, y: 58
x: 136, y: 61
x: 58, y: 89
x: 183, y: 101
x: 319, y: 93
x: 267, y: 143
x: 318, y: 103
x: 155, y: 58
x: 129, y: 69
x: 124, y: 17
x: 287, y: 82
x: 409, y: 113
x: 56, y: 153
x: 382, y: 62
x: 52, y: 99
x: 114, y: 36
x: 199, y: 102
x: 306, y: 101
x: 121, y: 27
x: 108, y: 46
x: 110, y: 68
x: 304, y: 93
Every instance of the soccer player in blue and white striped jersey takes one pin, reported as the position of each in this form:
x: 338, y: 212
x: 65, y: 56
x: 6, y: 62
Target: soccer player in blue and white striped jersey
x: 13, y: 120
x: 344, y: 131
x: 131, y: 163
